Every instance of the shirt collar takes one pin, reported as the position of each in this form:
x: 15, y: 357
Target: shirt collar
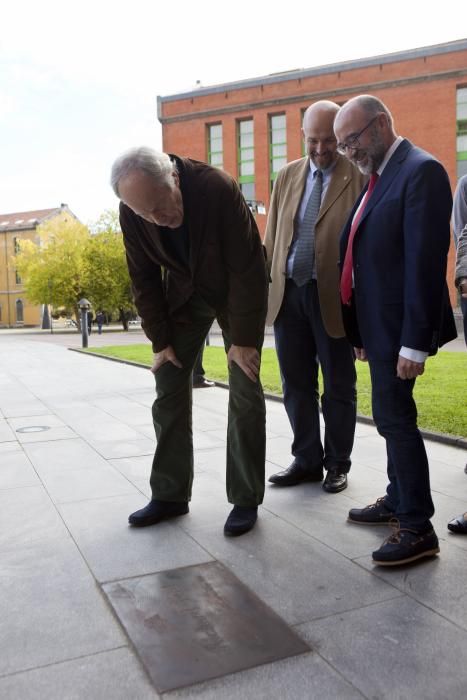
x: 389, y: 153
x: 326, y: 172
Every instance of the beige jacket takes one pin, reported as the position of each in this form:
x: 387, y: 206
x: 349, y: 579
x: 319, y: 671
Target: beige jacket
x: 345, y: 186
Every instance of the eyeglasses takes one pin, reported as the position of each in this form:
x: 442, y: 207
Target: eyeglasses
x: 353, y: 143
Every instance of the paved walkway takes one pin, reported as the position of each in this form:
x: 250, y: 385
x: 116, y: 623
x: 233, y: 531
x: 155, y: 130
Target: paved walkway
x: 76, y: 444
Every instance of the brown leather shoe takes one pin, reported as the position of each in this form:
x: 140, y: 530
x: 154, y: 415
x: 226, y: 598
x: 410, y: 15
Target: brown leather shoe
x: 374, y: 514
x: 296, y: 474
x: 405, y: 545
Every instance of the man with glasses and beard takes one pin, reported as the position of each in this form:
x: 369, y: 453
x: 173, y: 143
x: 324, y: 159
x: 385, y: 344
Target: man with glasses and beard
x: 396, y: 307
x: 310, y: 203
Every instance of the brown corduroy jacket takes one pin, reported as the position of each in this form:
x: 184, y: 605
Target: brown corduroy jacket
x: 227, y: 265
x: 344, y: 188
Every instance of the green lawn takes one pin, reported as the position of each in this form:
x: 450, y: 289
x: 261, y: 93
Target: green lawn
x: 440, y: 393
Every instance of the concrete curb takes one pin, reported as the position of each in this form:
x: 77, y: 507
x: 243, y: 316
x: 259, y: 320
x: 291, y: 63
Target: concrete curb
x: 453, y: 440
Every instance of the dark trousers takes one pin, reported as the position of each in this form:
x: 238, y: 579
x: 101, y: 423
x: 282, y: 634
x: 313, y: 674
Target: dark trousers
x: 464, y: 316
x: 172, y: 469
x: 198, y: 369
x: 302, y: 346
x: 395, y: 416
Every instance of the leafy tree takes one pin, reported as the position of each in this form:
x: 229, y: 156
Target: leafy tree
x: 107, y: 222
x: 69, y: 263
x: 106, y: 276
x: 53, y: 271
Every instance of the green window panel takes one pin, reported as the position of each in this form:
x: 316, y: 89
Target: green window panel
x: 246, y: 157
x: 461, y: 131
x: 277, y: 145
x: 215, y: 145
x: 248, y: 191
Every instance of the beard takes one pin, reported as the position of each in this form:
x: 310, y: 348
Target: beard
x: 374, y: 154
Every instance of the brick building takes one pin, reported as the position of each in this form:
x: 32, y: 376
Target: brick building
x: 15, y: 309
x: 251, y: 128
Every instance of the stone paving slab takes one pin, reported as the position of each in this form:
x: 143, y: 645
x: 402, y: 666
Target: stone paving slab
x: 114, y: 550
x: 394, y: 649
x: 64, y: 502
x: 50, y: 607
x: 112, y: 674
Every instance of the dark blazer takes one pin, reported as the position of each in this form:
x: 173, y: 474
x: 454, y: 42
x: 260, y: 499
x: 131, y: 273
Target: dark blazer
x: 226, y: 260
x: 400, y: 254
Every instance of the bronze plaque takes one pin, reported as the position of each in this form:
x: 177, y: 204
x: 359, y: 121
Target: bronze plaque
x: 197, y: 623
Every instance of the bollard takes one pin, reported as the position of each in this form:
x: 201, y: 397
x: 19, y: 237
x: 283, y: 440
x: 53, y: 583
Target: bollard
x: 84, y: 305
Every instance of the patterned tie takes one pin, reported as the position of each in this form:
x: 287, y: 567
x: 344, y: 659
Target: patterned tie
x: 302, y: 266
x: 347, y: 268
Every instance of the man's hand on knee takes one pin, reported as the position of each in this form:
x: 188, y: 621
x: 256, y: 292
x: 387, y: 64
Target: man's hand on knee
x: 248, y: 359
x: 163, y: 356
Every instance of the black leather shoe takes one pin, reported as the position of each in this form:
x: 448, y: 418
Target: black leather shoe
x: 335, y: 481
x: 374, y: 514
x: 240, y: 520
x: 458, y: 525
x: 203, y: 384
x: 296, y: 474
x: 156, y: 511
x: 405, y: 545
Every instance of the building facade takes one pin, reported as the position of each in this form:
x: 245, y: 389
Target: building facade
x: 15, y: 309
x: 251, y: 128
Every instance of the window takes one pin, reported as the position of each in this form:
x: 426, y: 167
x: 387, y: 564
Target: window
x: 302, y: 114
x: 277, y: 145
x: 18, y: 277
x: 19, y: 311
x: 215, y: 145
x: 246, y: 159
x: 461, y: 131
x: 16, y: 245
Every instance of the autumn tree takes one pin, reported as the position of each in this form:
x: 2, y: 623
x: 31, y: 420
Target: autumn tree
x: 69, y: 263
x: 53, y: 269
x: 106, y: 276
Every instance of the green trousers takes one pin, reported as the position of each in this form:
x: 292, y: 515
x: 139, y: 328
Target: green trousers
x: 172, y: 468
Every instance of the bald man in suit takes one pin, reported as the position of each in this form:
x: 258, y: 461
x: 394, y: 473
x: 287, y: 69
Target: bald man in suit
x: 304, y: 305
x: 396, y: 307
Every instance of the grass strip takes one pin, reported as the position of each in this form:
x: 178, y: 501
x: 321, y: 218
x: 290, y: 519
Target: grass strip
x: 440, y: 393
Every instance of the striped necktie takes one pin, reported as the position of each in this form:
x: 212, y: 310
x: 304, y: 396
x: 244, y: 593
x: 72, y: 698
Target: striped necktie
x: 302, y: 265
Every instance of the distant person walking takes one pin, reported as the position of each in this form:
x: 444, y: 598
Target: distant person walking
x: 100, y: 319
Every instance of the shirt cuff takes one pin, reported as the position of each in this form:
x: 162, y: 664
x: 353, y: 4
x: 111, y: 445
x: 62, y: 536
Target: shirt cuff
x: 414, y: 355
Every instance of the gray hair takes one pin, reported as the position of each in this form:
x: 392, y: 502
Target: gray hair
x: 153, y: 163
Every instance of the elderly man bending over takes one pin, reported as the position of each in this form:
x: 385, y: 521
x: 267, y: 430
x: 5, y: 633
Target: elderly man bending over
x: 194, y: 255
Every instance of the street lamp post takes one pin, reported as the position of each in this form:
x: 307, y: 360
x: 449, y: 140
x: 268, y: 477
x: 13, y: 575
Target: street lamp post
x: 84, y: 305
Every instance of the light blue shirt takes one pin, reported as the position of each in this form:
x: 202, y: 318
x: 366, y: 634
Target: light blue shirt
x: 310, y: 181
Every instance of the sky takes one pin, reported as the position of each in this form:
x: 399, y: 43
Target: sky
x: 79, y: 80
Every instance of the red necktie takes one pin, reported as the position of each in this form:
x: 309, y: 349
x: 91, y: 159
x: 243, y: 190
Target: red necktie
x: 347, y: 268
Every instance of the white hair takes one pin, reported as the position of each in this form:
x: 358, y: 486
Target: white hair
x: 153, y: 163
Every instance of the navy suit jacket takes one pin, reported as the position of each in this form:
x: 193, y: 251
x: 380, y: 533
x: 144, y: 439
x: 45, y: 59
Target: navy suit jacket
x: 400, y: 297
